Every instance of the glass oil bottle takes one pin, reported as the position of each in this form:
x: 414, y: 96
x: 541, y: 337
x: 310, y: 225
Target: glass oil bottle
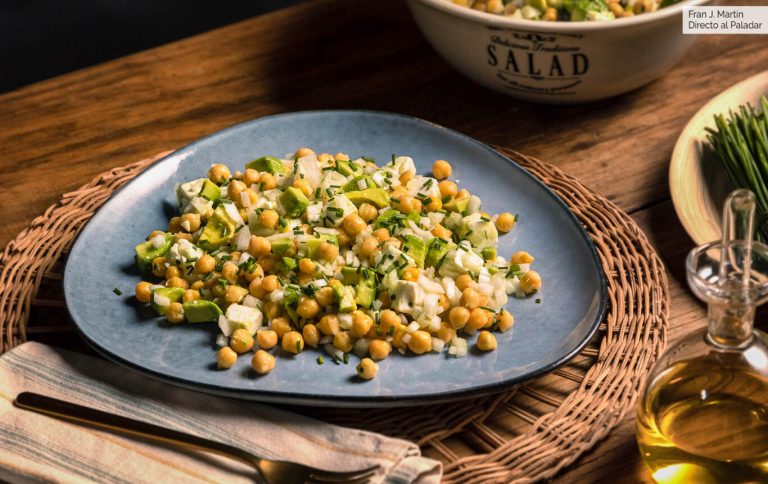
x: 704, y: 414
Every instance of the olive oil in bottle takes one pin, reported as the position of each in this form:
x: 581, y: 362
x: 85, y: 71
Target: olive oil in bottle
x: 704, y: 414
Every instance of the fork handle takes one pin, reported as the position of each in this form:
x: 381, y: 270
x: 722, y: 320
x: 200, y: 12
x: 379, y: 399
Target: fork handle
x: 82, y: 414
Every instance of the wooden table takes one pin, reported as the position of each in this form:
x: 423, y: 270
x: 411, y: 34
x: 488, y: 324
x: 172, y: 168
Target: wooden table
x: 59, y: 133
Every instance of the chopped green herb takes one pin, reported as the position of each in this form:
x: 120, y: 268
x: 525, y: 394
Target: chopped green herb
x: 298, y: 346
x: 319, y: 360
x: 117, y: 291
x: 538, y: 301
x: 346, y: 358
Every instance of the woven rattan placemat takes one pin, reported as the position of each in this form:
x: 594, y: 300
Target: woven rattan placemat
x: 525, y: 434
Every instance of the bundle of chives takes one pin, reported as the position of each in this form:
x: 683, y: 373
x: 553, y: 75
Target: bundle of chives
x: 741, y: 144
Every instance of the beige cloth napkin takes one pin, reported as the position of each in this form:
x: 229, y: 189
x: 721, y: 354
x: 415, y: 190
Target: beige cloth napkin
x: 36, y: 448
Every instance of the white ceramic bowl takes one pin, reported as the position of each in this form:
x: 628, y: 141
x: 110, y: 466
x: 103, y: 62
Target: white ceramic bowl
x: 555, y: 62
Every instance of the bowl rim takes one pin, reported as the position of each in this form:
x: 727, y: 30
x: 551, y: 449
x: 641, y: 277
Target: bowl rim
x: 494, y: 20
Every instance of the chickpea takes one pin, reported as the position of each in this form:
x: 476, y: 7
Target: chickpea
x: 342, y: 341
x: 174, y: 225
x: 369, y: 246
x: 505, y: 222
x: 270, y: 283
x: 470, y: 298
x: 272, y: 310
x: 397, y: 338
x: 464, y: 281
x: 458, y: 316
x: 303, y: 185
x: 226, y: 358
x: 262, y: 362
x: 325, y: 158
x: 463, y: 193
x: 441, y: 169
x: 304, y: 151
x: 367, y: 212
x: 219, y: 173
x: 406, y: 177
x: 256, y: 273
x: 405, y: 204
x: 259, y: 246
x: 443, y: 302
x: 268, y: 218
x: 530, y: 282
x: 447, y: 188
x: 486, y: 341
x: 327, y: 251
x: 197, y: 285
x: 343, y: 238
x: 158, y: 266
x: 205, y: 264
x: 411, y: 274
x: 307, y: 266
x: 367, y: 369
x: 255, y: 289
x: 307, y: 307
x: 229, y: 272
x: 505, y: 321
x: 251, y: 176
x: 384, y: 298
x: 241, y: 341
x: 267, y: 261
x: 234, y: 189
x: 433, y: 206
x: 190, y: 222
x: 234, y: 294
x: 281, y: 326
x: 293, y: 342
x: 361, y: 323
x: 253, y: 197
x: 329, y: 325
x: 353, y: 224
x: 177, y: 282
x: 446, y: 331
x: 521, y: 257
x: 190, y: 295
x: 381, y: 234
x: 325, y: 296
x: 387, y: 320
x: 268, y: 181
x: 267, y: 339
x: 175, y: 313
x: 420, y: 342
x: 143, y: 293
x: 155, y: 233
x: 399, y: 191
x: 342, y: 157
x: 379, y: 349
x: 182, y: 235
x: 218, y: 290
x: 478, y: 318
x: 172, y: 271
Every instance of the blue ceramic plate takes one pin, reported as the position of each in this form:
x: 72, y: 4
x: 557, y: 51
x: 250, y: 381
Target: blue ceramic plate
x: 545, y: 335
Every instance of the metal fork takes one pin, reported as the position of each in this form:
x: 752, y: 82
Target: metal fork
x: 270, y: 470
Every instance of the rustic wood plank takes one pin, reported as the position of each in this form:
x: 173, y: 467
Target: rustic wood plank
x: 336, y: 54
x: 368, y: 55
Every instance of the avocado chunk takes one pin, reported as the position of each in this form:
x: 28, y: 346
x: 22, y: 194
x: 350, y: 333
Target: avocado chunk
x: 346, y: 297
x: 349, y: 275
x: 162, y: 297
x: 365, y: 291
x: 387, y: 219
x: 287, y: 264
x: 540, y: 5
x: 147, y: 251
x: 377, y: 197
x: 281, y: 246
x: 347, y: 168
x: 218, y: 231
x: 210, y: 190
x: 489, y: 253
x: 415, y: 248
x: 313, y: 244
x: 457, y: 205
x: 294, y: 202
x: 270, y: 164
x: 437, y: 249
x: 201, y: 311
x: 356, y: 185
x: 291, y: 295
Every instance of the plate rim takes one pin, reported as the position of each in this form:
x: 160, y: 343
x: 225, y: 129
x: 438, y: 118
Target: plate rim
x: 353, y: 401
x: 676, y: 165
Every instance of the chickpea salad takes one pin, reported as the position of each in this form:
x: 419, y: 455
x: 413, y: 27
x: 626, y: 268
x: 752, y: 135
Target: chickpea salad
x: 341, y: 255
x: 566, y: 10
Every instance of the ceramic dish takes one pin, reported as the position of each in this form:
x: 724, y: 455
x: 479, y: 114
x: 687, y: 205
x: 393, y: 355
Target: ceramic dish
x: 555, y: 62
x: 697, y: 181
x: 545, y: 335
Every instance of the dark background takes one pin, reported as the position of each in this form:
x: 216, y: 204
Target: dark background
x: 44, y: 38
